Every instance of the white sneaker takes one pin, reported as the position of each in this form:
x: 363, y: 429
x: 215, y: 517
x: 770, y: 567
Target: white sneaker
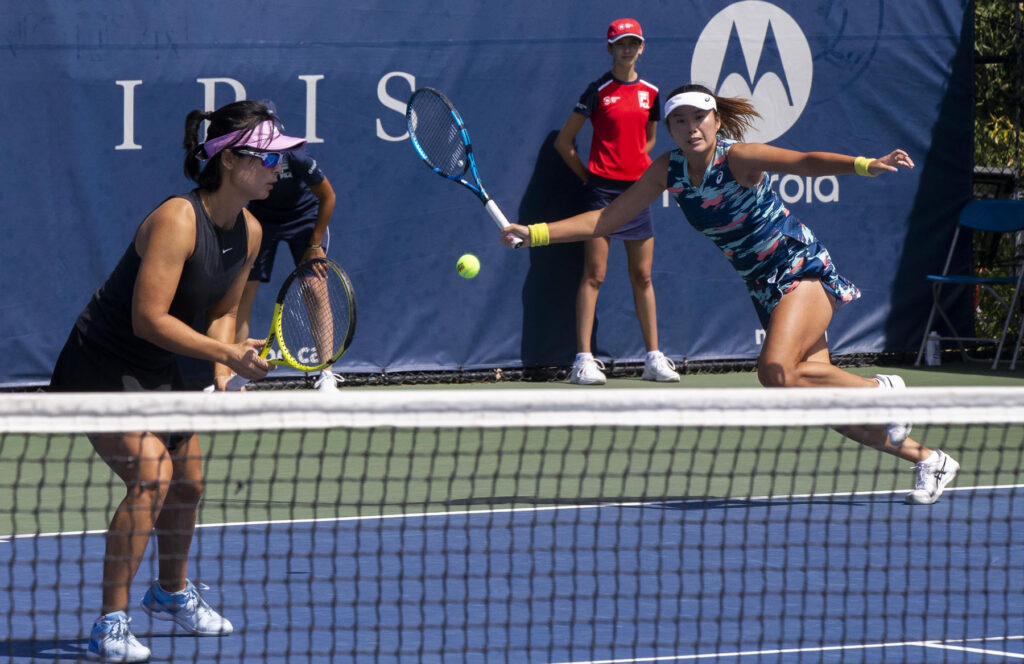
x: 587, y: 371
x: 187, y: 608
x: 112, y: 641
x: 659, y: 368
x: 933, y: 474
x: 327, y: 381
x: 897, y: 431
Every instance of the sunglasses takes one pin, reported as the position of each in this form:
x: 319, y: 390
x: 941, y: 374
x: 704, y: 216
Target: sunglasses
x: 268, y: 159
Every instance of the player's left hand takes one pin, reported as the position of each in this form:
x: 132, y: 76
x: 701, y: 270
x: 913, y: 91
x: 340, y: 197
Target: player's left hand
x: 891, y: 163
x: 246, y: 361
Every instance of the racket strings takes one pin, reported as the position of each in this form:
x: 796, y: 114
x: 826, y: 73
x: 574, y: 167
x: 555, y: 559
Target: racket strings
x: 439, y: 134
x: 316, y: 315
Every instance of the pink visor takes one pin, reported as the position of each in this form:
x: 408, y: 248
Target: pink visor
x: 263, y: 136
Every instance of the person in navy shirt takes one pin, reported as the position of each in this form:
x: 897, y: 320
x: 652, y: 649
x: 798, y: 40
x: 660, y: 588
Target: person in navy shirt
x: 297, y: 212
x: 624, y: 110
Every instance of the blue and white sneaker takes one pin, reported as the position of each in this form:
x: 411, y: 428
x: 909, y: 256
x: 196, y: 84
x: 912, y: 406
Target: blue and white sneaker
x: 187, y: 608
x: 112, y: 641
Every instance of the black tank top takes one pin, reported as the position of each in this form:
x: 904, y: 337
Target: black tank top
x: 216, y: 259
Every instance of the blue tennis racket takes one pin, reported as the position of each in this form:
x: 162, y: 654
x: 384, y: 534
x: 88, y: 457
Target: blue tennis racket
x: 441, y: 140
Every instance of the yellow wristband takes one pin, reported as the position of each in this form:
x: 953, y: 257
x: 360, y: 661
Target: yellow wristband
x: 860, y: 166
x: 539, y: 235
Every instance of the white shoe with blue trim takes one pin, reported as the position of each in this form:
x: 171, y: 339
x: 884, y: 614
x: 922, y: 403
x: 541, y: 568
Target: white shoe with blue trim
x: 187, y: 608
x: 112, y: 641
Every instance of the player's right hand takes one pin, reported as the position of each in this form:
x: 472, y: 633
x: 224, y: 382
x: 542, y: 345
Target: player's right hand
x: 515, y: 232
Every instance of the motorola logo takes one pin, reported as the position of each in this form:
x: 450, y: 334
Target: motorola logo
x: 753, y: 49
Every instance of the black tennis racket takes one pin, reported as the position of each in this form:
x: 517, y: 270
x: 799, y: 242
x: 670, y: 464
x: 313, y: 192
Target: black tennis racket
x: 440, y: 138
x: 314, y: 319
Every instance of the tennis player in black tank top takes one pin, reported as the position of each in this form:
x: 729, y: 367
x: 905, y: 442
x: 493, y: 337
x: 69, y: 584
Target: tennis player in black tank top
x: 188, y: 261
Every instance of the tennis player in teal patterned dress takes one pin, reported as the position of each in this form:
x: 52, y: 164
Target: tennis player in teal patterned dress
x: 765, y: 244
x: 722, y: 185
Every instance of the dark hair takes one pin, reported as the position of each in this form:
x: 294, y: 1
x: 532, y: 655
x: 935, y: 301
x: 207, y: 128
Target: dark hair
x: 226, y: 119
x: 272, y: 109
x: 735, y: 113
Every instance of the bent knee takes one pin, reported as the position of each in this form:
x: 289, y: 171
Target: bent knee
x: 186, y: 491
x: 151, y: 491
x: 776, y: 374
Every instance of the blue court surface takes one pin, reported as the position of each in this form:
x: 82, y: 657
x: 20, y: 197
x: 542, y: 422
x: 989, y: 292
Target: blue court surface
x: 830, y: 578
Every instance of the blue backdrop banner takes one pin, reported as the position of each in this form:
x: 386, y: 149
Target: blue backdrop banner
x: 97, y: 95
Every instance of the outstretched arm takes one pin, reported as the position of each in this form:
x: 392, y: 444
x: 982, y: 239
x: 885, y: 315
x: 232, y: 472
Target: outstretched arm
x: 599, y: 223
x: 749, y: 161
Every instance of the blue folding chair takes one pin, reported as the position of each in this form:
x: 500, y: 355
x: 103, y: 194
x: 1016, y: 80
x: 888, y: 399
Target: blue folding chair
x: 995, y: 216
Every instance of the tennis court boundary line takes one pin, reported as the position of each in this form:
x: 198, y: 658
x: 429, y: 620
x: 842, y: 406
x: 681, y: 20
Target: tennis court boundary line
x: 6, y: 539
x: 943, y: 645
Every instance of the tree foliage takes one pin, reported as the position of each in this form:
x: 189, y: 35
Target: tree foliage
x: 998, y: 84
x: 999, y: 90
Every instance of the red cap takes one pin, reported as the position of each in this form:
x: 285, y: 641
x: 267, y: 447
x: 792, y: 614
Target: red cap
x: 624, y: 27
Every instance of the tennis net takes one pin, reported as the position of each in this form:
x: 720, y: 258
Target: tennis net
x: 547, y: 525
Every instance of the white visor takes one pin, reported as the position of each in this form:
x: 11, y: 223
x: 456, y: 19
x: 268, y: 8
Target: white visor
x: 701, y: 100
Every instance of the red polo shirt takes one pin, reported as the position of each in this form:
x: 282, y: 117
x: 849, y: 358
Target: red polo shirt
x: 619, y: 113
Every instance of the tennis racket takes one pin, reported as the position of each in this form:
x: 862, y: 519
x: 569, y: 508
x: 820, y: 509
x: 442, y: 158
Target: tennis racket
x: 314, y: 319
x: 440, y: 138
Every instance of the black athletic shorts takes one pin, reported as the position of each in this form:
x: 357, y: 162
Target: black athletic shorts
x: 85, y: 367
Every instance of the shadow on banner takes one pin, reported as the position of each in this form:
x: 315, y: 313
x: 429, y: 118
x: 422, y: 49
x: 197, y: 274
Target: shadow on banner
x: 945, y: 189
x: 549, y: 292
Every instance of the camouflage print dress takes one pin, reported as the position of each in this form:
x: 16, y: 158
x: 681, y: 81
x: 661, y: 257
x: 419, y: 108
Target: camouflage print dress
x: 765, y: 244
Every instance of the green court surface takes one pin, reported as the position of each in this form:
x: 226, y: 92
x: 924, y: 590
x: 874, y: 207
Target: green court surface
x: 58, y: 484
x: 952, y: 374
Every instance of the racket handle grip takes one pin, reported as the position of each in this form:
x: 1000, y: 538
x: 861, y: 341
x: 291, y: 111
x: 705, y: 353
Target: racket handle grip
x: 499, y: 218
x: 235, y: 383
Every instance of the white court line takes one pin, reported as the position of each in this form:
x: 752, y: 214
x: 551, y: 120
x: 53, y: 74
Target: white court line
x: 6, y: 539
x: 981, y: 651
x: 821, y: 649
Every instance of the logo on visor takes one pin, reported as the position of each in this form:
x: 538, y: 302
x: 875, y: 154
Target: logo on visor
x: 753, y: 49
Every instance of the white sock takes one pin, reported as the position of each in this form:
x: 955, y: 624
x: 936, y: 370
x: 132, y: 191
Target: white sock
x: 651, y: 354
x: 584, y: 356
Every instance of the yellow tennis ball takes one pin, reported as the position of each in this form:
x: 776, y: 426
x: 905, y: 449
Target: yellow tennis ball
x: 468, y: 266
